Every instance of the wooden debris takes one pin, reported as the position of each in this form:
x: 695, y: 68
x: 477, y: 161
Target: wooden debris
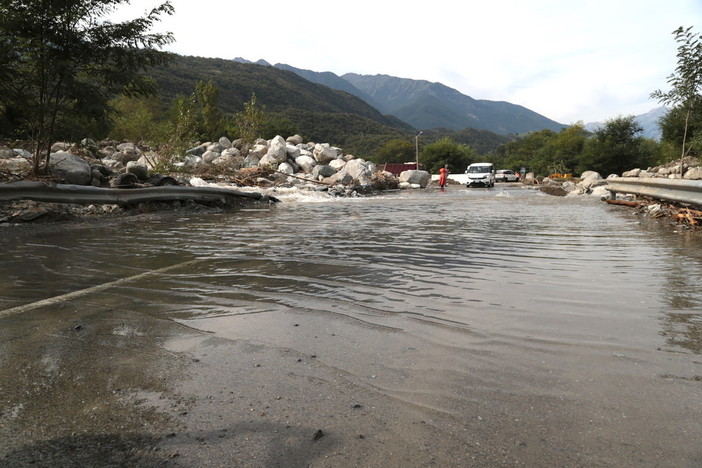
x: 688, y: 216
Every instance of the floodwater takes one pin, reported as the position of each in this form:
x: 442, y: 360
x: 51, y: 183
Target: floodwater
x: 481, y: 327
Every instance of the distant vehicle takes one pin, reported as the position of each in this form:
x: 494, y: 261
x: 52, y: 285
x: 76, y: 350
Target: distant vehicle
x: 481, y: 174
x: 505, y: 175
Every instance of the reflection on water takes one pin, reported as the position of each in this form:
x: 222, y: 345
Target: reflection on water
x: 450, y: 301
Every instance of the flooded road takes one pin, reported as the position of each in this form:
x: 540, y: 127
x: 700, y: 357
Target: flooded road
x: 482, y: 327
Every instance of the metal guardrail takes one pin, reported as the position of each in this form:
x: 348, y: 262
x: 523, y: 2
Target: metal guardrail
x: 677, y: 190
x: 66, y: 193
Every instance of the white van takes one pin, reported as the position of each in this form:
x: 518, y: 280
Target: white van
x: 482, y: 174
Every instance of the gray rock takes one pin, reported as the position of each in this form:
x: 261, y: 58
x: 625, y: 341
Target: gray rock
x: 70, y: 168
x: 324, y: 154
x: 694, y: 173
x: 60, y: 146
x: 138, y: 169
x: 294, y: 140
x: 306, y: 163
x: 7, y: 153
x: 359, y: 168
x: 339, y: 178
x: 420, y: 178
x: 293, y: 151
x: 569, y: 186
x: 225, y: 143
x: 22, y: 153
x: 286, y: 168
x: 210, y: 156
x: 338, y: 164
x: 259, y: 150
x: 16, y: 165
x: 251, y: 161
x: 324, y: 171
x: 590, y: 179
x: 587, y: 174
x: 631, y: 173
x: 232, y: 151
x: 197, y: 151
x: 226, y: 160
x: 215, y: 147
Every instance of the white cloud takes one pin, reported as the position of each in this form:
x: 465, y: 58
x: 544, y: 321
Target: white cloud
x: 569, y: 61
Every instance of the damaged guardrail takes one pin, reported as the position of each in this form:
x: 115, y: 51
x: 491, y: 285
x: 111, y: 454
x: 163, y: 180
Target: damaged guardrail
x: 80, y: 194
x: 677, y: 190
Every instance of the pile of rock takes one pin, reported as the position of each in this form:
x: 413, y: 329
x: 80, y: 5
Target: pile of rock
x: 592, y: 183
x: 691, y: 170
x: 290, y: 160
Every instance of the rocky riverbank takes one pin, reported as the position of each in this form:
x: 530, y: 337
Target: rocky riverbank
x: 265, y: 165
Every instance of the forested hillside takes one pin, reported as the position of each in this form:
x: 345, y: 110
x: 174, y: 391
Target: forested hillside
x: 317, y: 112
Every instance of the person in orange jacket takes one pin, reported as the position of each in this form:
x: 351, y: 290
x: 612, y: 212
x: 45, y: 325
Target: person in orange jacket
x: 443, y: 175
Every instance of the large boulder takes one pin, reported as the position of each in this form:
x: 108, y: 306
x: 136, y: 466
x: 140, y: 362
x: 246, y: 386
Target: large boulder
x: 259, y: 150
x: 7, y: 153
x: 306, y: 163
x: 323, y: 171
x: 591, y: 179
x: 250, y: 161
x: 127, y: 152
x: 324, y: 154
x: 293, y: 151
x: 70, y: 168
x: 231, y: 151
x: 17, y: 165
x: 632, y: 173
x: 359, y: 169
x: 341, y: 177
x: 338, y: 164
x: 413, y: 177
x: 138, y: 169
x: 225, y: 143
x: 294, y: 140
x: 286, y: 168
x: 694, y: 173
x: 209, y: 156
x: 229, y: 160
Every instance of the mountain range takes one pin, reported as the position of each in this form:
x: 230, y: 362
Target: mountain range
x: 428, y: 105
x: 648, y: 121
x: 359, y: 113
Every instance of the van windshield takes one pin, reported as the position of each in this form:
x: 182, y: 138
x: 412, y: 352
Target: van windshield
x: 479, y: 169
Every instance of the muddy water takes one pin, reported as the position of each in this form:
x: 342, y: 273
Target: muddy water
x: 483, y: 327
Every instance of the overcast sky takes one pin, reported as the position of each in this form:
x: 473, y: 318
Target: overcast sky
x: 588, y: 60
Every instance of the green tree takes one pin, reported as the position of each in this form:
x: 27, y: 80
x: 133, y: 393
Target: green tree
x: 685, y: 82
x: 211, y: 117
x: 395, y: 151
x: 136, y: 119
x: 277, y: 125
x: 561, y: 153
x: 248, y: 123
x: 529, y: 151
x: 445, y: 151
x: 616, y: 147
x: 674, y: 130
x: 182, y: 125
x: 59, y: 61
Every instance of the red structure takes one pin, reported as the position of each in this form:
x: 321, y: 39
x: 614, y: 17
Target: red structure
x: 398, y: 168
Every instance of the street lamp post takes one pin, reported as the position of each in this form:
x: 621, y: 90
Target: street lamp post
x: 416, y: 143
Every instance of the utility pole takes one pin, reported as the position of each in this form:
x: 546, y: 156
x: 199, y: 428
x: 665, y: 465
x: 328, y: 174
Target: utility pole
x: 416, y: 142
